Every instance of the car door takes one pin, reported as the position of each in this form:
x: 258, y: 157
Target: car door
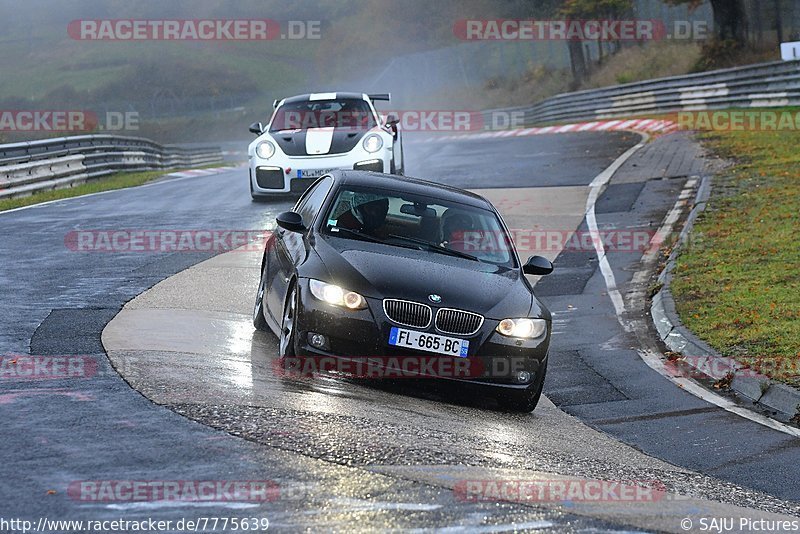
x: 291, y: 248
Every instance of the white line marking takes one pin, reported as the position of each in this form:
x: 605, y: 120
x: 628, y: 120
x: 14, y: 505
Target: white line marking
x: 654, y: 361
x: 595, y: 188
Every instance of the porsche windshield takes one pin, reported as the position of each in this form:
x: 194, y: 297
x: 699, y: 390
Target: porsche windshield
x: 412, y: 221
x: 352, y: 113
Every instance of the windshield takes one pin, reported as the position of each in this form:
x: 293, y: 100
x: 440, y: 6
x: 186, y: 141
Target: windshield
x: 352, y: 113
x: 412, y: 221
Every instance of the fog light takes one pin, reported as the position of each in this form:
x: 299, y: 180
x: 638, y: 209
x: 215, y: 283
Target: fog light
x: 318, y: 341
x: 522, y: 377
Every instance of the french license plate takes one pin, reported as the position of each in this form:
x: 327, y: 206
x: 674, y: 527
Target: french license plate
x: 400, y: 337
x: 312, y: 173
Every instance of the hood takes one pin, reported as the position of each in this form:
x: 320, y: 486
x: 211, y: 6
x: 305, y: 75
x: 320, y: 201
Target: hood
x: 318, y: 141
x: 377, y: 271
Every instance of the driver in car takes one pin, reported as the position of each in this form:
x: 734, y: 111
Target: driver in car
x: 367, y: 215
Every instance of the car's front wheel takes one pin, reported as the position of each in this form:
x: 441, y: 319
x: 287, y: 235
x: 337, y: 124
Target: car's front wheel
x: 524, y: 400
x: 286, y: 347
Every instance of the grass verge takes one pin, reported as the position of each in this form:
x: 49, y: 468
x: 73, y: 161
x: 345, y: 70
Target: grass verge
x: 737, y: 285
x: 119, y: 180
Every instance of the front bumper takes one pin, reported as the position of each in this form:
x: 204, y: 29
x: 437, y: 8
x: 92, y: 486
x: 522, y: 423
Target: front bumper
x: 279, y: 174
x: 492, y: 358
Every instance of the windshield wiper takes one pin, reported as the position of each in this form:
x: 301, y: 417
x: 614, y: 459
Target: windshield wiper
x: 437, y: 248
x: 336, y: 229
x: 368, y: 237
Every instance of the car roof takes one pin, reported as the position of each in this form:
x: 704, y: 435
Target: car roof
x: 307, y: 96
x: 407, y: 184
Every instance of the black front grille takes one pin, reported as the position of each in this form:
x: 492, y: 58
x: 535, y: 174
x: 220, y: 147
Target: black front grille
x: 269, y: 177
x: 374, y: 166
x: 458, y: 322
x: 408, y: 313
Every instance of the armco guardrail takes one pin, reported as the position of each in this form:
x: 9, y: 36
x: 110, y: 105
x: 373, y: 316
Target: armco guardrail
x: 761, y: 85
x: 67, y: 161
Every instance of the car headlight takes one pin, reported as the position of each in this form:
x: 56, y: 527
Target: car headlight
x: 372, y: 143
x: 265, y: 149
x: 333, y: 294
x: 524, y: 328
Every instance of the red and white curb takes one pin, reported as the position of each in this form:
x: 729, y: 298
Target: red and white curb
x: 650, y: 126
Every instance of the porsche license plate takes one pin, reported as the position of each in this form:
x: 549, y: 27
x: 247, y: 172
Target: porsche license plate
x: 312, y: 173
x: 451, y: 346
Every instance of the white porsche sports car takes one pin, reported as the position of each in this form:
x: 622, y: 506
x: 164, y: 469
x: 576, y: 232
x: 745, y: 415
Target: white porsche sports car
x: 310, y: 135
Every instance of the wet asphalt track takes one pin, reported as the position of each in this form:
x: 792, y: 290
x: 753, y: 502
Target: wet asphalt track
x: 57, y: 302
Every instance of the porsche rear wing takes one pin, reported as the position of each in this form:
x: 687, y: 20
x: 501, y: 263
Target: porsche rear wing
x: 386, y: 97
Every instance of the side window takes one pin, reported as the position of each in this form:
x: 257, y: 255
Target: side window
x: 309, y: 205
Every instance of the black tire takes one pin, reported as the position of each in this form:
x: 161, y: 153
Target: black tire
x: 524, y: 400
x: 287, y: 346
x: 259, y: 322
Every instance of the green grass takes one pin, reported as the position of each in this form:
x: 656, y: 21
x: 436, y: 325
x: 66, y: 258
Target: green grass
x: 738, y: 285
x: 115, y: 181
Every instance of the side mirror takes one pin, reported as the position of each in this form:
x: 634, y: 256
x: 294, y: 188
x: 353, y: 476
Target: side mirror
x: 537, y: 265
x: 291, y: 221
x: 392, y: 119
x: 257, y: 128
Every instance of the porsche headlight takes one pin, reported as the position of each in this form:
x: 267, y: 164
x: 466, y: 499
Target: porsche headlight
x: 522, y: 328
x: 265, y: 149
x: 333, y: 294
x: 372, y: 143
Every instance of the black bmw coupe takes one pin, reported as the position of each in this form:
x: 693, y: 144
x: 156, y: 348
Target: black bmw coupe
x: 389, y: 269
